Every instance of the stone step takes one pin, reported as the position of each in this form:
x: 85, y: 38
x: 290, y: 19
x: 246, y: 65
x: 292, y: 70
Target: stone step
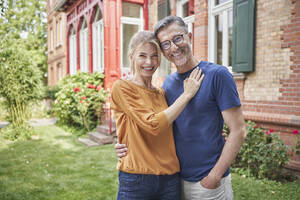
x: 88, y: 142
x: 100, y: 138
x: 106, y: 130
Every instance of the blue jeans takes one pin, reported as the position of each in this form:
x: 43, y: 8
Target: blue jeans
x: 148, y: 187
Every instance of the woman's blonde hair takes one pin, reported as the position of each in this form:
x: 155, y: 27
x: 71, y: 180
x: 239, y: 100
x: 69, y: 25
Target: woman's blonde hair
x: 138, y: 39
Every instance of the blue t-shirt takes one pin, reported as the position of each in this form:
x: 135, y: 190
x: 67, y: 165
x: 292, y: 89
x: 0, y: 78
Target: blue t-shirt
x: 198, y: 129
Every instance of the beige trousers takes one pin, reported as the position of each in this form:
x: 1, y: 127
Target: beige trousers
x: 195, y: 191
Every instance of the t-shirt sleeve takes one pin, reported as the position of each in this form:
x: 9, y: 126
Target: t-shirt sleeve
x: 225, y: 90
x: 127, y: 100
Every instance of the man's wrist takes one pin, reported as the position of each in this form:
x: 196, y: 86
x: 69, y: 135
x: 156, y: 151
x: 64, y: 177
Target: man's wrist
x: 215, y: 175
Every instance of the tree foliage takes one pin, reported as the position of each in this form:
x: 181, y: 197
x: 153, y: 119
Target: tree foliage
x: 22, y: 58
x: 23, y: 27
x: 20, y: 85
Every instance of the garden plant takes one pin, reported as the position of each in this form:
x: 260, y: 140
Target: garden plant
x: 79, y: 100
x: 20, y: 86
x: 262, y: 155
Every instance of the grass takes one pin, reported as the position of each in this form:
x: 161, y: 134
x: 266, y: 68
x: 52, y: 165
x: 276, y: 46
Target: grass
x: 254, y: 189
x: 57, y: 166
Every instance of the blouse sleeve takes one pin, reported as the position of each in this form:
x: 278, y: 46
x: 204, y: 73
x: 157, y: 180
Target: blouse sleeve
x: 126, y: 100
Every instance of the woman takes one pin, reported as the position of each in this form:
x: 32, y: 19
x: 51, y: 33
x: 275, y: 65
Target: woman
x: 143, y: 120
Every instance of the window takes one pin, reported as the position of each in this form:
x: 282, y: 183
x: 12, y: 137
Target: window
x: 57, y: 33
x: 83, y: 39
x: 131, y: 22
x: 51, y: 40
x: 50, y: 4
x: 51, y: 76
x: 185, y: 11
x: 163, y: 11
x: 220, y: 32
x: 60, y: 31
x: 217, y: 2
x: 59, y: 72
x: 72, y: 52
x: 98, y: 43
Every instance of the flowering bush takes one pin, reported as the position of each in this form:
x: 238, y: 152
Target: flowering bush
x: 79, y: 99
x: 262, y: 155
x: 297, y: 146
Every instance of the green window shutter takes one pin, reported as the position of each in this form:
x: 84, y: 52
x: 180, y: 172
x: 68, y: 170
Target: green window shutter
x: 243, y: 38
x: 163, y: 9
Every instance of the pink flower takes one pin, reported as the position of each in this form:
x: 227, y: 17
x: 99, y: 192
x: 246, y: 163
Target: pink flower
x: 76, y: 89
x: 91, y: 86
x: 295, y: 132
x: 98, y: 87
x: 267, y: 132
x: 271, y: 130
x: 81, y: 101
x: 83, y: 97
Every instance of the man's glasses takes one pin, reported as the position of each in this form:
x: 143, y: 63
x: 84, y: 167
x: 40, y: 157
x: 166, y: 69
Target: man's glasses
x: 177, y: 40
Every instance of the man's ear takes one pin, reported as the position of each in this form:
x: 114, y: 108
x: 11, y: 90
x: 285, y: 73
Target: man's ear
x: 190, y: 35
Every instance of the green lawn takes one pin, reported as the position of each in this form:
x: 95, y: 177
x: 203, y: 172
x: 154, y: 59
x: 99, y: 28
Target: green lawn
x: 57, y: 166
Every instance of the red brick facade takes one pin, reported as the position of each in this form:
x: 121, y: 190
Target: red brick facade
x: 271, y: 93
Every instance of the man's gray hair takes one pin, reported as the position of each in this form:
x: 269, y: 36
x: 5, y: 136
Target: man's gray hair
x: 167, y: 21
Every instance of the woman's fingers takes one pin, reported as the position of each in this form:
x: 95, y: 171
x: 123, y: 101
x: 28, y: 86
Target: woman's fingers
x: 194, y: 72
x: 201, y: 78
x: 198, y: 75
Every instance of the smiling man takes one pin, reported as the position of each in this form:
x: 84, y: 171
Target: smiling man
x: 203, y: 154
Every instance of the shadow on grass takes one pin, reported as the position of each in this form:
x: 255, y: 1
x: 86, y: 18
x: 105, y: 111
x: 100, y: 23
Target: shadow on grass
x: 57, y: 166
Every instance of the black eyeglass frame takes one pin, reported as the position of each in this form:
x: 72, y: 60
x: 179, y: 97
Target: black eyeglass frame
x: 173, y: 41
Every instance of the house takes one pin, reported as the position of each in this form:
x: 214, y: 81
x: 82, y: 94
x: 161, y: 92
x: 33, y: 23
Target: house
x: 258, y: 41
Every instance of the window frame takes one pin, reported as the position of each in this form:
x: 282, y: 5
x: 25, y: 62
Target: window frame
x: 98, y: 43
x: 83, y: 44
x: 189, y: 20
x: 72, y: 52
x: 213, y: 11
x: 132, y: 21
x: 51, y: 40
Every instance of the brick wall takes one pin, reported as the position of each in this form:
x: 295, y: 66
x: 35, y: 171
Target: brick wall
x: 201, y: 29
x: 271, y: 94
x: 56, y: 57
x: 272, y: 61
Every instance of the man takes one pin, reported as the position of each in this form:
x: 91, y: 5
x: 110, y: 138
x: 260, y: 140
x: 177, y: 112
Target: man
x: 204, y: 156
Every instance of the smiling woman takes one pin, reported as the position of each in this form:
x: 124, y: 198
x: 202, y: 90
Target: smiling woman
x: 143, y: 121
x: 146, y: 62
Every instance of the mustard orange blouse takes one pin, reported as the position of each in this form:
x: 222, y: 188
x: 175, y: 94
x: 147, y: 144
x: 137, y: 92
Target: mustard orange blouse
x: 144, y: 128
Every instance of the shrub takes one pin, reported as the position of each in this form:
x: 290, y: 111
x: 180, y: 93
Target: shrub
x: 20, y: 86
x: 79, y: 100
x: 50, y: 92
x: 262, y: 155
x: 20, y: 132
